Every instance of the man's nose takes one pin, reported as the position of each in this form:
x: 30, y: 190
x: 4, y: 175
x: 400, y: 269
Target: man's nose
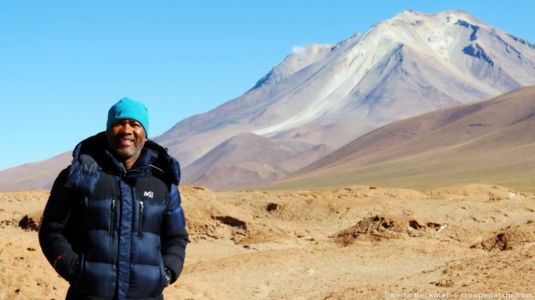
x: 126, y: 128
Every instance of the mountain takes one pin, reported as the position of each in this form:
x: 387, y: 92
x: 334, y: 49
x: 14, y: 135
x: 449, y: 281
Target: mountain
x: 38, y: 175
x: 485, y: 142
x: 331, y: 94
x: 249, y: 159
x: 402, y: 67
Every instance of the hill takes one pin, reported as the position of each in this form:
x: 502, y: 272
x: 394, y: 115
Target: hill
x: 485, y: 142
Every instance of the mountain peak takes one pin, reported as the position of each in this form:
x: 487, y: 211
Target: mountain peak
x: 412, y: 17
x: 453, y: 14
x: 299, y: 58
x: 409, y: 14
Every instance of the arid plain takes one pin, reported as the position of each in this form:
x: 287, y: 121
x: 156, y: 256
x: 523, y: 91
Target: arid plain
x: 355, y: 242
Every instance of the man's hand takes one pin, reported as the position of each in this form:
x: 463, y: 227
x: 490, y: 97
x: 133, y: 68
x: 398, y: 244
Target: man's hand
x: 167, y: 276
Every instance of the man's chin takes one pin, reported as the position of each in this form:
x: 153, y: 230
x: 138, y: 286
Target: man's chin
x: 124, y: 154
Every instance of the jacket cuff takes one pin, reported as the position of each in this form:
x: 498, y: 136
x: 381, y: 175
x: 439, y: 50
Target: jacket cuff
x: 173, y: 272
x: 67, y: 265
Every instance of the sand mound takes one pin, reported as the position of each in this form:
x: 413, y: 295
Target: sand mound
x: 510, y: 273
x: 475, y: 192
x: 211, y: 218
x: 509, y: 238
x: 385, y: 227
x: 214, y: 224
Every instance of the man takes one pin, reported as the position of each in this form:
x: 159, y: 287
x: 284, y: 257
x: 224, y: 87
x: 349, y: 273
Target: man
x: 113, y: 226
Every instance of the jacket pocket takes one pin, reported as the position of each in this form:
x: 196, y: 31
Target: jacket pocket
x: 113, y: 204
x: 67, y: 265
x: 140, y: 221
x: 76, y: 279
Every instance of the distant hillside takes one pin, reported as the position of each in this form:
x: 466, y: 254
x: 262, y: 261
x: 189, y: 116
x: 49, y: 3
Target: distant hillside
x: 39, y: 175
x: 486, y: 142
x: 250, y: 159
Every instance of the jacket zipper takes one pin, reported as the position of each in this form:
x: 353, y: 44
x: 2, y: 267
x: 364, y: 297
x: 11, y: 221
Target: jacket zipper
x: 140, y: 223
x: 112, y: 213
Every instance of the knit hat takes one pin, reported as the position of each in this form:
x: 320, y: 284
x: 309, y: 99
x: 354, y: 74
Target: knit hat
x: 127, y: 108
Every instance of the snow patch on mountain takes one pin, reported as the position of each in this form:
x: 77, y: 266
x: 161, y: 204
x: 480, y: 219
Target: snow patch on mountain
x: 300, y: 58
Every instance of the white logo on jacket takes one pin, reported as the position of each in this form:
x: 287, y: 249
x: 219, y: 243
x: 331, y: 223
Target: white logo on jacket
x: 149, y: 194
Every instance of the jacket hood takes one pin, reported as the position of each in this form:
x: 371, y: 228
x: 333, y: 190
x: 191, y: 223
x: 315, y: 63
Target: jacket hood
x: 93, y: 155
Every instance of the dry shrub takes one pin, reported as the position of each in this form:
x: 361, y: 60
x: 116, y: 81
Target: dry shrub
x: 31, y: 222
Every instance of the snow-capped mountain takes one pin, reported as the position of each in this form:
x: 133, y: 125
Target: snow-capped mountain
x: 321, y: 97
x: 401, y: 67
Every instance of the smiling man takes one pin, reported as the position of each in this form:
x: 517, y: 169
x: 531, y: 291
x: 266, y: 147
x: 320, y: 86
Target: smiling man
x: 113, y: 226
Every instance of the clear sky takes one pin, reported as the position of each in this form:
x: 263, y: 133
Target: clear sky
x: 64, y: 63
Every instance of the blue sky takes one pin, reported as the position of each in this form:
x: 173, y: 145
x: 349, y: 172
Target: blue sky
x: 64, y: 63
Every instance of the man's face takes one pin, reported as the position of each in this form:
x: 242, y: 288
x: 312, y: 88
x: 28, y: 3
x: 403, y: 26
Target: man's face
x: 127, y: 137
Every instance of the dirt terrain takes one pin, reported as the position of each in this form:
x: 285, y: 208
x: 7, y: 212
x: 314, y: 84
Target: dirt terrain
x: 357, y: 242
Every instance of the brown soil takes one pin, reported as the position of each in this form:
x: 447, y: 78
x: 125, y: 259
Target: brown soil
x: 351, y: 243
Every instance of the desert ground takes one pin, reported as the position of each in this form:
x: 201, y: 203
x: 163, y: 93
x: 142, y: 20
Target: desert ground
x: 356, y: 242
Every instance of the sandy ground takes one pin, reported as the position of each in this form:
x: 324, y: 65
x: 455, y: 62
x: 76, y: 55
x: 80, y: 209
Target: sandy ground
x: 357, y: 242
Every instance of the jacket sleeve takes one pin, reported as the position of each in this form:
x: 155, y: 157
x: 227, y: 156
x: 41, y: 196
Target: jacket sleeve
x: 54, y: 227
x: 174, y: 235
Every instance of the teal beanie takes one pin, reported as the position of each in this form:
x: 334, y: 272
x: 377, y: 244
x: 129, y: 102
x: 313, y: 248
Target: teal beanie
x: 127, y: 108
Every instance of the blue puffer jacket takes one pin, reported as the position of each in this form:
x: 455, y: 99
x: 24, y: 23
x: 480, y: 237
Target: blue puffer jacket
x: 110, y: 232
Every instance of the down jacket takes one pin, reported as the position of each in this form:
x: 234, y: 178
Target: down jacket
x: 110, y: 232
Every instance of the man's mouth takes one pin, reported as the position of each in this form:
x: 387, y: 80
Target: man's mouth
x: 125, y: 142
